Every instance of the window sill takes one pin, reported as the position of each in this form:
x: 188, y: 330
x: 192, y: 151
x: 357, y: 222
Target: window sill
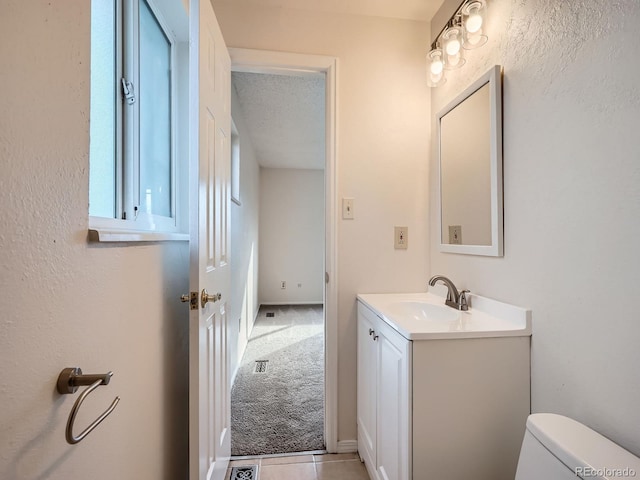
x: 116, y: 235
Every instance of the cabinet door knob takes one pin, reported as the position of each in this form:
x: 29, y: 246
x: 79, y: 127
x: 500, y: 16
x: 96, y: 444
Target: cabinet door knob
x: 375, y: 337
x: 371, y: 331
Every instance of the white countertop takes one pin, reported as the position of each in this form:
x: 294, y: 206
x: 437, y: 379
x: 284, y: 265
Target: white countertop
x: 485, y: 317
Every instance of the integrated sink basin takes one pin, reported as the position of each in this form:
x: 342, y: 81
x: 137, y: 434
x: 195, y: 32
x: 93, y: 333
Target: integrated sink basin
x: 423, y: 311
x: 424, y: 316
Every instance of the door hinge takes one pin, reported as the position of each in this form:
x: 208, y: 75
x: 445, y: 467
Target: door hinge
x: 127, y: 91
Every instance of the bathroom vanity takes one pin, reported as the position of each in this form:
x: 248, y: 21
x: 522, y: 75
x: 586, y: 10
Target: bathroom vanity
x: 442, y: 394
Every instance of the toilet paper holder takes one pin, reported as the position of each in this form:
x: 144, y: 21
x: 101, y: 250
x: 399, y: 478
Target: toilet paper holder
x: 68, y: 382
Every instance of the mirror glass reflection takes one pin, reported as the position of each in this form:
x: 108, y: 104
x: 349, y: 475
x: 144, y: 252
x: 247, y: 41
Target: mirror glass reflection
x: 465, y: 180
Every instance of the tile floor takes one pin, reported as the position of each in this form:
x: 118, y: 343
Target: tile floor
x: 340, y: 466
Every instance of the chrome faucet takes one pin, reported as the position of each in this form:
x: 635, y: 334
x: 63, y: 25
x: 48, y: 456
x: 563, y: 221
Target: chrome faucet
x: 455, y: 299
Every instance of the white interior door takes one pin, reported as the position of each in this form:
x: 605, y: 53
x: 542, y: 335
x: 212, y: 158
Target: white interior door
x: 210, y: 122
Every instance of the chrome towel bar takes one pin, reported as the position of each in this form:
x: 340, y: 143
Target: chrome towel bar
x: 68, y: 382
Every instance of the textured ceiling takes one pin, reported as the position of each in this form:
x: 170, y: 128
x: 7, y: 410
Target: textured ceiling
x: 285, y: 118
x: 421, y: 10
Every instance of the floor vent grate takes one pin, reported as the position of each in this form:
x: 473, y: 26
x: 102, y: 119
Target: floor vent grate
x: 247, y: 472
x: 261, y: 366
x: 271, y: 314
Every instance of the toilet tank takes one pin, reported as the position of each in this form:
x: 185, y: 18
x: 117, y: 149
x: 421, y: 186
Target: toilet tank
x: 559, y: 448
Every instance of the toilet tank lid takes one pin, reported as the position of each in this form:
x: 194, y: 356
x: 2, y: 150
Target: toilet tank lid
x: 582, y: 449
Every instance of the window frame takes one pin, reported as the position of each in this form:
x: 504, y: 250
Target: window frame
x: 128, y: 192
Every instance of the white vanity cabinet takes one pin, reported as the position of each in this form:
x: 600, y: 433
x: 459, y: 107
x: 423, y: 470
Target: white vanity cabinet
x: 383, y: 397
x: 443, y: 408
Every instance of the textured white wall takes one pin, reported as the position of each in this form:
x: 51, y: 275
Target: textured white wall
x: 383, y: 147
x: 244, y: 242
x: 291, y: 235
x: 572, y: 201
x: 66, y: 302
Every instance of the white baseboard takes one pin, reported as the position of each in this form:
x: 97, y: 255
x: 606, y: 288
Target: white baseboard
x: 244, y: 347
x: 347, y: 446
x: 255, y: 317
x: 273, y: 304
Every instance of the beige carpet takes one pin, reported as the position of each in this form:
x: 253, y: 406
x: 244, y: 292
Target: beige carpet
x: 281, y: 410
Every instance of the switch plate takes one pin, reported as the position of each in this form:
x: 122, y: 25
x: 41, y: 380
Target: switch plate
x: 401, y: 238
x: 347, y: 209
x: 455, y: 234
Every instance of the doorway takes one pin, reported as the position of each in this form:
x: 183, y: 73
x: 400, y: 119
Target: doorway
x: 291, y: 299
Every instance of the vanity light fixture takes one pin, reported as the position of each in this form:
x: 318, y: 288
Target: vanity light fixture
x: 464, y: 31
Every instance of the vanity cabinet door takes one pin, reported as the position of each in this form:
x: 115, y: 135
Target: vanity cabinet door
x: 393, y: 417
x: 384, y: 396
x: 367, y: 359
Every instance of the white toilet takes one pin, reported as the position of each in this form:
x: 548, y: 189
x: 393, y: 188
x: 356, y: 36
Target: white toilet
x: 558, y: 448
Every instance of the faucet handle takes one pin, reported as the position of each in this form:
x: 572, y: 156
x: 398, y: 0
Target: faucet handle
x: 462, y: 301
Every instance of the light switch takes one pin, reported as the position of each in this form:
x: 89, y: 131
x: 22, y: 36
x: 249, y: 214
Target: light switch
x: 455, y: 234
x: 401, y: 238
x: 347, y: 209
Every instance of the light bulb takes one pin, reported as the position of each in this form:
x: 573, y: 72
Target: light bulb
x: 453, y: 46
x: 473, y: 13
x: 436, y: 67
x: 474, y: 22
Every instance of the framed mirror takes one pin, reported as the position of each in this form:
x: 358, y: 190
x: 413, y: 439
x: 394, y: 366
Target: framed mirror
x: 469, y: 131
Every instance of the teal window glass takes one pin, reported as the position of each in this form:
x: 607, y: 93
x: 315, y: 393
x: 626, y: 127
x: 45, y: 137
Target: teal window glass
x: 102, y: 129
x: 155, y: 115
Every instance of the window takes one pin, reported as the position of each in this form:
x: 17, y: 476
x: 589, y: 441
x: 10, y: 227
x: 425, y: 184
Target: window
x: 235, y: 164
x: 138, y: 59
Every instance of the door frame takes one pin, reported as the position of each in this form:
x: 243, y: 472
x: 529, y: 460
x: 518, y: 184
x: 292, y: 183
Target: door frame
x: 283, y: 63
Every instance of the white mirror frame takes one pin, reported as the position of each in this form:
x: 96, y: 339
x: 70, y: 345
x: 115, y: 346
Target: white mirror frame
x: 494, y: 78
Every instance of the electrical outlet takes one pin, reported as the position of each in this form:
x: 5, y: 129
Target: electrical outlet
x: 347, y: 209
x: 401, y: 238
x: 299, y: 285
x: 283, y: 284
x: 455, y: 234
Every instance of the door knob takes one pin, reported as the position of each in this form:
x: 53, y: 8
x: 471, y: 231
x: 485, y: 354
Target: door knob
x: 207, y: 297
